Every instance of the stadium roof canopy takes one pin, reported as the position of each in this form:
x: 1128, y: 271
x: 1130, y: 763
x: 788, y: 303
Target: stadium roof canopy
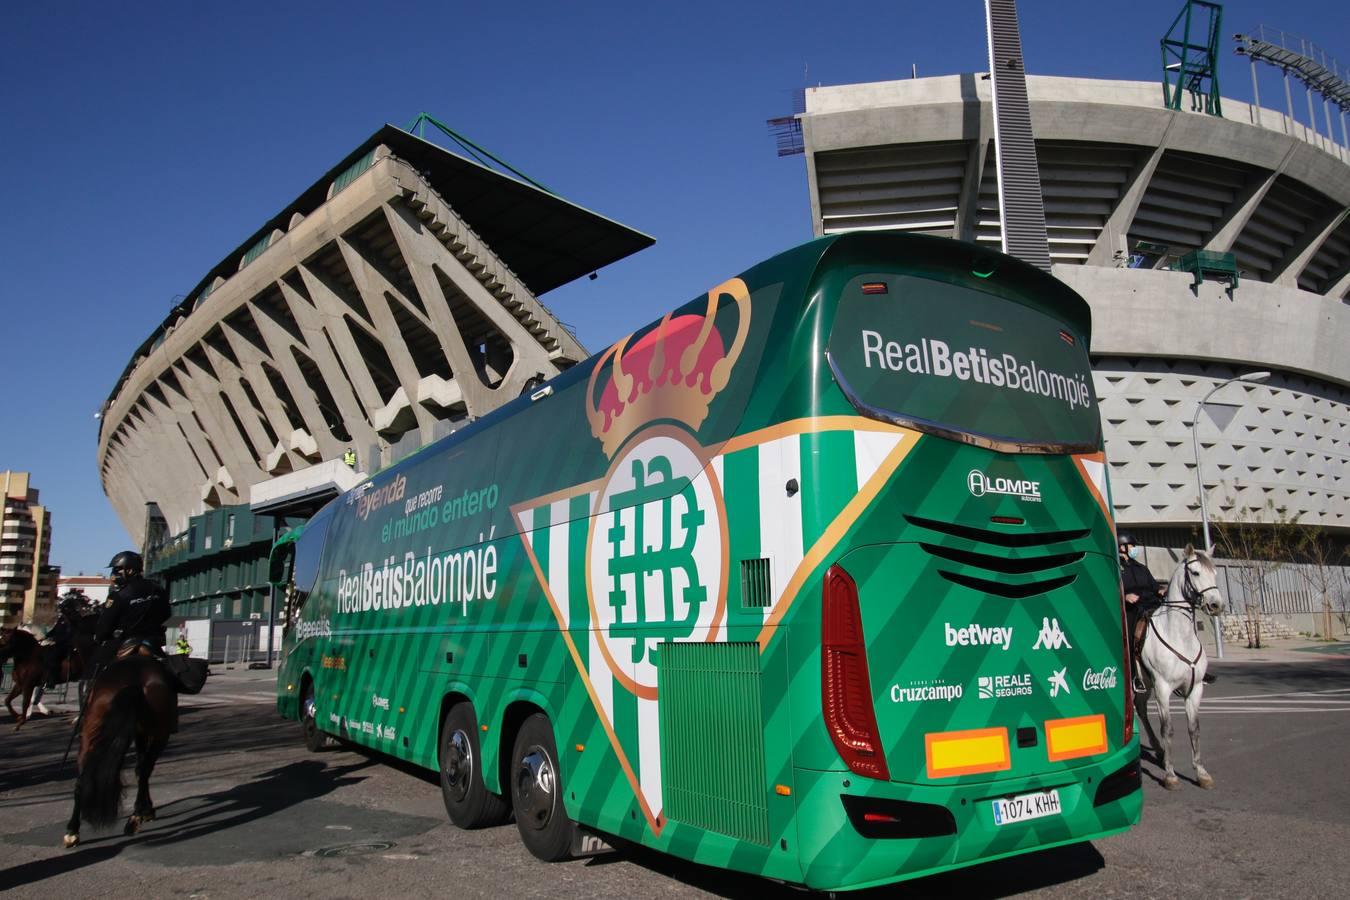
x: 545, y: 240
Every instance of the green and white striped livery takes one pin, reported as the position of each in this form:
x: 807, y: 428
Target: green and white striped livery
x: 813, y: 578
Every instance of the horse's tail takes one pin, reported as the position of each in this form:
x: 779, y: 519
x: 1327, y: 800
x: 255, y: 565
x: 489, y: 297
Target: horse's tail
x: 100, y: 781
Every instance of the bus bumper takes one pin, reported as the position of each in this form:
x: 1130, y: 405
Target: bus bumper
x: 955, y: 823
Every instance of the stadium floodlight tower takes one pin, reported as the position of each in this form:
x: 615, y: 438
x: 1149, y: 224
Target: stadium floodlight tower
x: 1189, y: 64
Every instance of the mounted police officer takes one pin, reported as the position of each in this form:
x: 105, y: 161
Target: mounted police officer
x: 135, y: 614
x: 1143, y: 594
x: 60, y: 637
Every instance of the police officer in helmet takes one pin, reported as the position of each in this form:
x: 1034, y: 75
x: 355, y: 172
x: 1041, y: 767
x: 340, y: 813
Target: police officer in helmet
x: 136, y: 611
x: 1143, y: 594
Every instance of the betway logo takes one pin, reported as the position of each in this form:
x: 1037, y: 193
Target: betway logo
x: 978, y: 635
x: 981, y: 484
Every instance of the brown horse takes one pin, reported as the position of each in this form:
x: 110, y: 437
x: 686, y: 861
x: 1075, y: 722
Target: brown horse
x: 23, y: 648
x: 28, y: 667
x: 131, y: 699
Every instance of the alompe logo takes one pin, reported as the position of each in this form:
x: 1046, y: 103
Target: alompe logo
x: 981, y: 484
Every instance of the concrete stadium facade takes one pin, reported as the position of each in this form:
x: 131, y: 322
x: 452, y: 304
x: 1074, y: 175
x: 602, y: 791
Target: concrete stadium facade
x: 394, y: 299
x: 1120, y: 172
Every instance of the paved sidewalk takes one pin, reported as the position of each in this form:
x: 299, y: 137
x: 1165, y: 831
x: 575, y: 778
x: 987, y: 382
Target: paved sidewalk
x: 233, y: 683
x: 1278, y: 650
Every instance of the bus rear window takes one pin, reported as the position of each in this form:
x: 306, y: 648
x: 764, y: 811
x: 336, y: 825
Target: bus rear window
x: 949, y: 358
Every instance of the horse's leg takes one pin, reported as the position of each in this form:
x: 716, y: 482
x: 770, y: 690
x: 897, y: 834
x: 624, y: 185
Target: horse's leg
x: 143, y: 811
x: 1141, y: 706
x: 151, y: 739
x: 1162, y: 693
x: 27, y: 694
x: 73, y: 826
x: 9, y: 701
x: 1193, y: 723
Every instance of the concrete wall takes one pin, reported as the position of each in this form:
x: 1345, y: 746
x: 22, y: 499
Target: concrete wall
x: 359, y: 325
x: 1119, y: 172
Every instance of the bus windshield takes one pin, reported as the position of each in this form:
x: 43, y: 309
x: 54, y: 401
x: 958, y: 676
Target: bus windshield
x: 949, y: 358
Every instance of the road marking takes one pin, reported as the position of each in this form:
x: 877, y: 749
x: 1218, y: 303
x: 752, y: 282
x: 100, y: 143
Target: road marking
x: 1333, y: 700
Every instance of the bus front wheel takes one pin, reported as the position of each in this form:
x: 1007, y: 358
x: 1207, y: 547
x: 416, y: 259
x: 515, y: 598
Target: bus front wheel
x: 315, y: 740
x: 469, y: 803
x: 536, y: 792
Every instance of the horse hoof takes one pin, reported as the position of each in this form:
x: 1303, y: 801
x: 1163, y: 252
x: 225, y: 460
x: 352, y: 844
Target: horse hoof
x: 70, y: 840
x: 133, y: 825
x: 1206, y: 782
x: 1172, y: 783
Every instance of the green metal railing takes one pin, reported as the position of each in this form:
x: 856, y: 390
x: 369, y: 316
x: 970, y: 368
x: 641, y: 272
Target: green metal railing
x: 418, y: 127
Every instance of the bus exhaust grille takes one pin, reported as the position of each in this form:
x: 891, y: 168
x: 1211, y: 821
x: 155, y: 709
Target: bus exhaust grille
x: 1003, y: 589
x: 712, y: 738
x: 756, y: 588
x: 998, y: 538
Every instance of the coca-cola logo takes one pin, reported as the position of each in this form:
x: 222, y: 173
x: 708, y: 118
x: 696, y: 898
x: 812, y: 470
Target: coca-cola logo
x: 1099, y: 680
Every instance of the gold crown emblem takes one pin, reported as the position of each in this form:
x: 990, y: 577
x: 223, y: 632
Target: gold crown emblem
x: 672, y: 372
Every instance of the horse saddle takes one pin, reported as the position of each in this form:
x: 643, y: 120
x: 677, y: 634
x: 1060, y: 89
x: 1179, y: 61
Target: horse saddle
x: 134, y: 649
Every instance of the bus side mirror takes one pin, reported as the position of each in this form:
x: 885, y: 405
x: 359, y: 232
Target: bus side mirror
x: 280, y: 565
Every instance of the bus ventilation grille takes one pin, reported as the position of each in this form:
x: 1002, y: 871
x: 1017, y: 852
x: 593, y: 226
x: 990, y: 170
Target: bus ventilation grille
x: 1002, y: 564
x: 756, y: 587
x: 712, y: 738
x: 1003, y: 589
x: 998, y: 538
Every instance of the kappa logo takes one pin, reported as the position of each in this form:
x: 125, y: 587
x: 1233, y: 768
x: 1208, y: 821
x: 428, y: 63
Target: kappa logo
x: 1051, y: 637
x: 1058, y: 682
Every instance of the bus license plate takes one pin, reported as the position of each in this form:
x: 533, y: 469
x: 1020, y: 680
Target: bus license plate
x: 1027, y: 806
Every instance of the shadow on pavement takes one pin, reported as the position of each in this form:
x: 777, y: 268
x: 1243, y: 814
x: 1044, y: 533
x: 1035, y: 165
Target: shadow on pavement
x: 1000, y: 878
x: 188, y: 819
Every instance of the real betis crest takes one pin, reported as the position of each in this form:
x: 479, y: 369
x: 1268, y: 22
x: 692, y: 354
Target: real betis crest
x: 644, y: 549
x: 640, y: 556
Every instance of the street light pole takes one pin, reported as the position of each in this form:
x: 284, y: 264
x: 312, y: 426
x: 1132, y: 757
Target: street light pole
x: 1199, y: 478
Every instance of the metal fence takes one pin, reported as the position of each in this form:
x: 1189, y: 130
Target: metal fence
x: 1290, y: 589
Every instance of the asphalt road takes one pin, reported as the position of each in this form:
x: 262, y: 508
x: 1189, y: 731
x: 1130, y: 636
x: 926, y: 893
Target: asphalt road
x: 244, y: 811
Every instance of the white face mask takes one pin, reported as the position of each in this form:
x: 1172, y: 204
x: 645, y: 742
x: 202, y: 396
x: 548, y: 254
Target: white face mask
x: 1134, y: 553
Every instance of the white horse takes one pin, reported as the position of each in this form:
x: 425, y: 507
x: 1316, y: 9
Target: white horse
x: 1174, y: 659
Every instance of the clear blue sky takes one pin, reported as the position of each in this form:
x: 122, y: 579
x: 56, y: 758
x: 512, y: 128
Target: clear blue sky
x: 142, y: 142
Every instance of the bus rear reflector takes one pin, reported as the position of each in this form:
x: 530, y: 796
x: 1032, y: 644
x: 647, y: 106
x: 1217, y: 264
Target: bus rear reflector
x: 1072, y: 738
x: 952, y: 753
x: 846, y: 689
x: 874, y: 287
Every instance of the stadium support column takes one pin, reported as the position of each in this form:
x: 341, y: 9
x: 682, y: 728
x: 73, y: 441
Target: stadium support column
x: 1020, y: 204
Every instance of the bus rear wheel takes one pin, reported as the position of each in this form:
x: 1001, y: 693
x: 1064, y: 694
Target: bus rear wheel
x: 536, y: 792
x: 315, y: 740
x: 467, y: 800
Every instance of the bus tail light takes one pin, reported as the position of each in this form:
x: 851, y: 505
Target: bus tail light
x: 1128, y: 669
x: 845, y: 686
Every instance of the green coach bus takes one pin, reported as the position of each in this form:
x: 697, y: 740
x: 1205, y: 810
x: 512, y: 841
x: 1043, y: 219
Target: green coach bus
x: 813, y: 578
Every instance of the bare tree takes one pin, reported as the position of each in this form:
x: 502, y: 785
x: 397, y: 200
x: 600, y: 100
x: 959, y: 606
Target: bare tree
x: 1322, y: 569
x: 1261, y: 541
x: 1340, y: 599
